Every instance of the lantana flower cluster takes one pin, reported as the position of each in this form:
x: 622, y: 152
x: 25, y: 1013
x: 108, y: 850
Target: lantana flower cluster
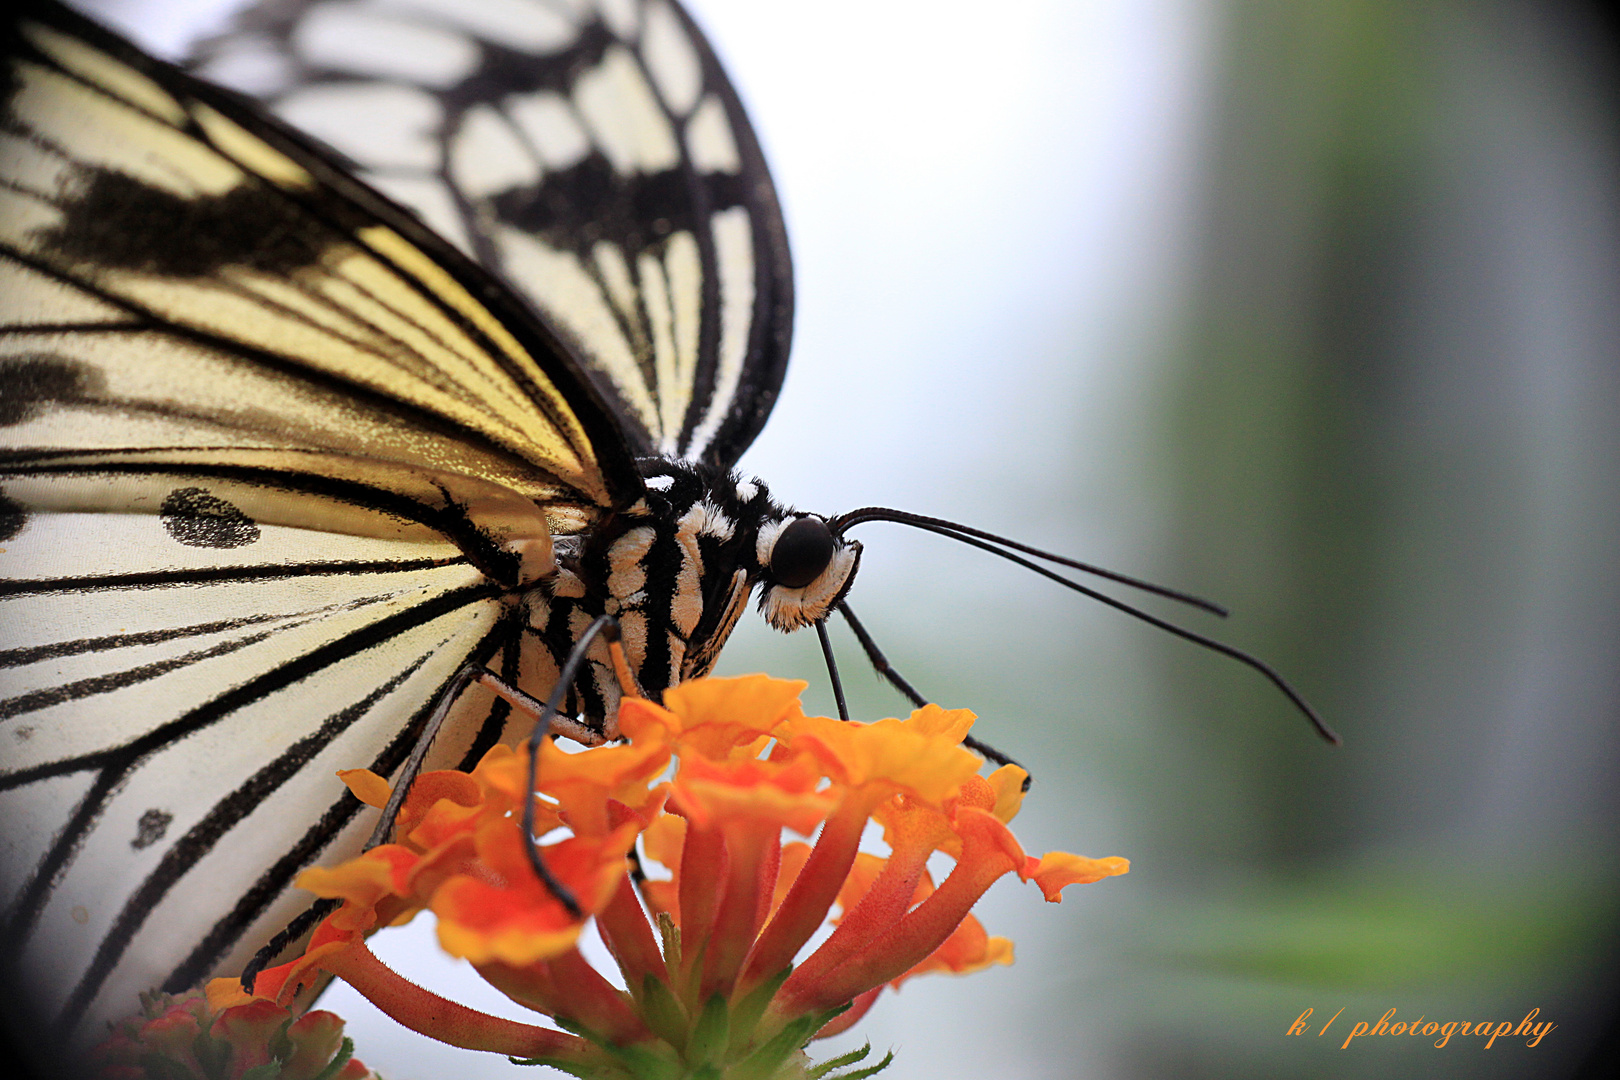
x: 707, y: 954
x: 187, y: 1037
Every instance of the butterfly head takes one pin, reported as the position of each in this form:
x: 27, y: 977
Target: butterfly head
x: 739, y: 540
x: 805, y: 567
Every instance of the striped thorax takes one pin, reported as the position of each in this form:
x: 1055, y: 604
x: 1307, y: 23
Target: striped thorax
x: 677, y: 569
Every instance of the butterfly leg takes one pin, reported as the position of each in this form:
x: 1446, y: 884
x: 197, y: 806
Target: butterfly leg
x: 546, y: 721
x: 288, y: 934
x: 608, y: 627
x: 832, y: 669
x: 895, y: 679
x: 385, y: 824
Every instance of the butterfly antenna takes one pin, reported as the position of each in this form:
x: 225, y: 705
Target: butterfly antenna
x: 971, y: 538
x: 951, y: 528
x: 832, y: 669
x: 881, y: 665
x: 607, y: 626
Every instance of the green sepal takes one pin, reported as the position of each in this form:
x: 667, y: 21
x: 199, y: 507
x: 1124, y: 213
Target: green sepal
x: 764, y: 1063
x: 637, y: 1061
x: 340, y: 1059
x: 281, y: 1045
x: 871, y: 1070
x: 711, y: 1034
x: 662, y: 1011
x: 670, y: 935
x: 854, y: 1057
x: 574, y: 1027
x: 746, y: 1014
x: 214, y: 1055
x: 689, y: 983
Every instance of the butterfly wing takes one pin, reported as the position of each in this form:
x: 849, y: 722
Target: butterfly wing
x: 265, y: 444
x: 173, y: 723
x: 596, y: 158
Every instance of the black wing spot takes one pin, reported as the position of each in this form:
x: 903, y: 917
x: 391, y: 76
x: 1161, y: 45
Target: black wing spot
x: 198, y: 519
x: 35, y: 380
x: 114, y: 220
x: 150, y: 829
x: 13, y: 516
x: 575, y: 207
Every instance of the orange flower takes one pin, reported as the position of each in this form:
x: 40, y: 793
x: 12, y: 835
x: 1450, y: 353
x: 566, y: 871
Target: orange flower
x: 709, y: 954
x: 237, y: 1039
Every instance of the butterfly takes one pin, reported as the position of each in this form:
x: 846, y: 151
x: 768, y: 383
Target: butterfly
x: 279, y: 461
x: 439, y: 351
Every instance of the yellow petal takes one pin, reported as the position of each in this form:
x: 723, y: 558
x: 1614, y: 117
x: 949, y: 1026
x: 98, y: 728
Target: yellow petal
x: 1008, y: 784
x: 367, y: 786
x: 1058, y: 869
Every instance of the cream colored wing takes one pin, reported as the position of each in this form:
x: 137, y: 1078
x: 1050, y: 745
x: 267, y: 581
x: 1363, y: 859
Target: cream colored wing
x: 595, y: 156
x: 264, y: 443
x: 182, y: 283
x: 177, y: 691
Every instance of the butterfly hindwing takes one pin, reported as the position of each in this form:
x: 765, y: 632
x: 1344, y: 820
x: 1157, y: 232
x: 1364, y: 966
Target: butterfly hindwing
x: 176, y: 718
x: 595, y: 157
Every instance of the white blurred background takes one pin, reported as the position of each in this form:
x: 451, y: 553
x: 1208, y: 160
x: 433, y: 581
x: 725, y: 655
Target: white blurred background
x: 1309, y: 306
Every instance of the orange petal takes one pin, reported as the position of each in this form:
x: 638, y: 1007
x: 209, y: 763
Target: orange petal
x: 364, y: 880
x: 751, y: 791
x: 1008, y: 784
x: 430, y: 788
x: 481, y: 925
x: 909, y: 823
x: 723, y: 717
x: 444, y: 821
x: 503, y: 913
x: 643, y: 721
x: 585, y: 783
x: 367, y: 786
x: 223, y: 993
x: 929, y: 764
x: 951, y: 725
x: 664, y: 839
x: 967, y: 950
x: 1057, y: 869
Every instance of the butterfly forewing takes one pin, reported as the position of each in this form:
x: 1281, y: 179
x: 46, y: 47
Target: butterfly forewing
x: 595, y: 158
x: 178, y: 280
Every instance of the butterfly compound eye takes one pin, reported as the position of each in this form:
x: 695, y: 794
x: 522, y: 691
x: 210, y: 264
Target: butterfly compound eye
x: 803, y: 550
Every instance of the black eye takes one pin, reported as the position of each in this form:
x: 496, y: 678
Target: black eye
x: 802, y: 552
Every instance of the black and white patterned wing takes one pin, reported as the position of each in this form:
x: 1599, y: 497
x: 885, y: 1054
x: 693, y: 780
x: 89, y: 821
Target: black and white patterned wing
x: 270, y: 459
x: 173, y: 713
x: 593, y: 155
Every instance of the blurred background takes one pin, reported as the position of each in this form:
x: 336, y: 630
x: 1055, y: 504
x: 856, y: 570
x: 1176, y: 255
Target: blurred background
x: 1310, y: 307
